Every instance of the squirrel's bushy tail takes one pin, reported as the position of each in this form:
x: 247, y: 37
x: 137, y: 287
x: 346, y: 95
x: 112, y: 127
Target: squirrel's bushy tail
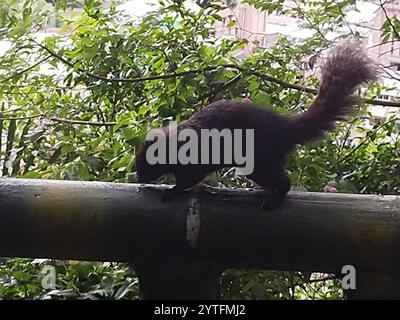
x: 346, y: 67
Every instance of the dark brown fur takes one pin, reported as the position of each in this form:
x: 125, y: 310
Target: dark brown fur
x: 345, y: 69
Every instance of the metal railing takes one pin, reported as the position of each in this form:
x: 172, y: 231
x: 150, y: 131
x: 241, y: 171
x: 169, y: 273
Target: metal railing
x: 180, y: 248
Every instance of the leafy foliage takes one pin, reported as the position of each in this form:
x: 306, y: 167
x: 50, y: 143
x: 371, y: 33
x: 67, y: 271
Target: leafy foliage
x: 22, y: 278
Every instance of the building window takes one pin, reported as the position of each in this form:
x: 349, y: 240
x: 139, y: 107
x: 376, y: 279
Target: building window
x: 395, y: 66
x: 384, y: 97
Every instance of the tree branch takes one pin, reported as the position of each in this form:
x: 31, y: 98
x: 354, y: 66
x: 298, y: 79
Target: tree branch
x: 313, y: 26
x: 82, y: 122
x: 382, y: 5
x: 382, y: 43
x: 284, y: 83
x: 266, y: 77
x: 62, y: 120
x: 22, y: 118
x: 223, y: 87
x: 25, y: 70
x: 132, y: 80
x: 289, y: 85
x: 366, y: 138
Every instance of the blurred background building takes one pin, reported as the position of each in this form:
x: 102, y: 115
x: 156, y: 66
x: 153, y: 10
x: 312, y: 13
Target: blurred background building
x: 262, y: 30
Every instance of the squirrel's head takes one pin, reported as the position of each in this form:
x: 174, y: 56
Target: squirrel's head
x: 146, y: 171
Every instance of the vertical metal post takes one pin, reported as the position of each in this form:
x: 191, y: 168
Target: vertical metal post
x: 375, y: 285
x: 178, y: 280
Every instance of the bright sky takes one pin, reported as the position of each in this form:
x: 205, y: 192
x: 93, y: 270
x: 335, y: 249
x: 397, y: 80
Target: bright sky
x: 364, y: 11
x: 140, y: 7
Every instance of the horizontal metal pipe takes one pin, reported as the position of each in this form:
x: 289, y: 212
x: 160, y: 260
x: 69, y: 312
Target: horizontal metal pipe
x: 129, y: 222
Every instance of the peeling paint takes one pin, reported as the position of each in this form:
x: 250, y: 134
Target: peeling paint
x: 193, y: 223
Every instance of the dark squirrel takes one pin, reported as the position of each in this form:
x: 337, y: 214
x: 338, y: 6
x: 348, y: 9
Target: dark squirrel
x: 275, y: 136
